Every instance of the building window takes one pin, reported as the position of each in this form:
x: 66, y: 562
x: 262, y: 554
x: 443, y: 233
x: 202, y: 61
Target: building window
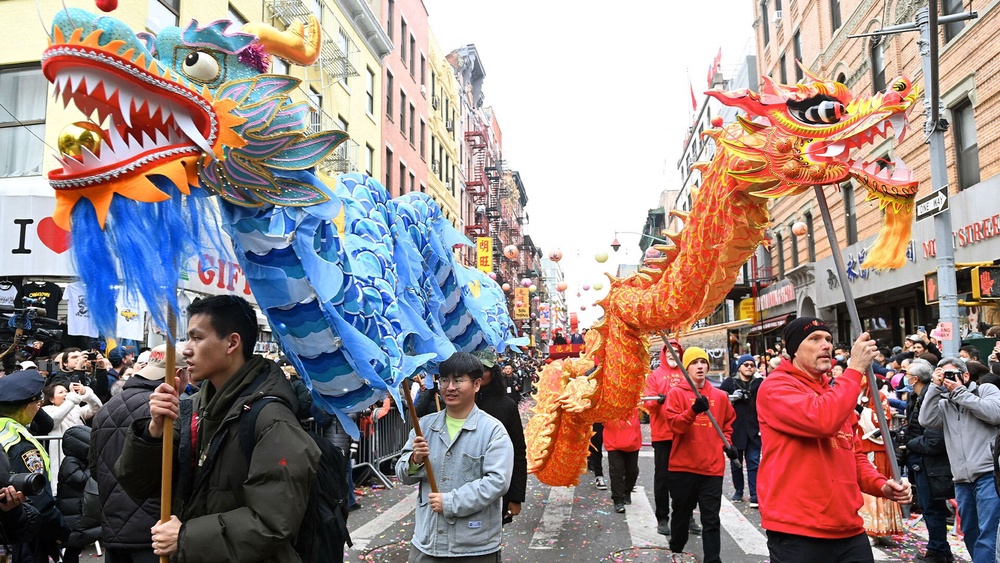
x: 850, y: 220
x: 316, y: 115
x: 423, y: 140
x: 413, y: 138
x: 388, y: 95
x: 835, y: 15
x: 812, y: 236
x: 236, y: 17
x: 391, y: 15
x: 344, y: 43
x: 842, y: 78
x: 369, y: 159
x: 163, y: 13
x: 402, y: 112
x: 402, y: 40
x: 22, y: 126
x: 777, y: 5
x: 779, y: 240
x: 795, y: 249
x: 797, y: 50
x: 388, y: 169
x: 966, y: 144
x: 764, y: 26
x: 413, y: 182
x: 413, y: 53
x: 877, y: 64
x: 952, y: 29
x: 370, y: 91
x: 402, y: 179
x: 782, y: 72
x: 278, y: 66
x: 423, y: 70
x: 317, y: 8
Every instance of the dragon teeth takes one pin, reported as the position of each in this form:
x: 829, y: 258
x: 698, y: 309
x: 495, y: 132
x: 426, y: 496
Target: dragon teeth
x: 184, y: 122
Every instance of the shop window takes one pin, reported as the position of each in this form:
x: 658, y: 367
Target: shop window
x: 966, y: 144
x: 22, y: 125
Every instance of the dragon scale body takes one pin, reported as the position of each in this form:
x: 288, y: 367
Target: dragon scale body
x: 778, y: 149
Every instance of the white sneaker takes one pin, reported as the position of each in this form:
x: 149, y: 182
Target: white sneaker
x: 600, y: 484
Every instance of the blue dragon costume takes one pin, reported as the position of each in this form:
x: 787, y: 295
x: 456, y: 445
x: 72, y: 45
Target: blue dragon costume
x: 362, y: 290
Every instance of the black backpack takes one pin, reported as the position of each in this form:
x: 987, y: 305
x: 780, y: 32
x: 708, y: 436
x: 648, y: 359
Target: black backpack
x: 323, y: 532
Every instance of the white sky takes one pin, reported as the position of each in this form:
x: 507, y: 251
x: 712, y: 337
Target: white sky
x: 593, y: 101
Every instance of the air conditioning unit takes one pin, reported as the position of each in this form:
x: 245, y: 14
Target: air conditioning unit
x: 434, y: 102
x: 450, y: 125
x: 777, y: 16
x: 447, y: 185
x: 434, y: 166
x: 423, y: 89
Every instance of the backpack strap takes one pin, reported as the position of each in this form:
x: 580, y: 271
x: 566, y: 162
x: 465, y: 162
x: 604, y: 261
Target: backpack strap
x: 248, y: 423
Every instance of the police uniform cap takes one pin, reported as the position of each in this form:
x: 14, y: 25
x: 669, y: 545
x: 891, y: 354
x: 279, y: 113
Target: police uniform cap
x: 21, y: 386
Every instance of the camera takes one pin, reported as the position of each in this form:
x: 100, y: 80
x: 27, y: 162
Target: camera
x: 92, y: 356
x: 953, y: 375
x: 738, y: 395
x: 27, y: 483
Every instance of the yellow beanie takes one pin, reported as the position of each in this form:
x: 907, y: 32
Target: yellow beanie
x: 692, y: 354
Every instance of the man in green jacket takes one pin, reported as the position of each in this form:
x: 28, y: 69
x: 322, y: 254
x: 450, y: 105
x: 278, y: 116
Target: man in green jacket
x: 225, y: 509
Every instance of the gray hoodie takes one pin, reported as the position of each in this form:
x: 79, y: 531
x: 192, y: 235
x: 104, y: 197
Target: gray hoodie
x: 969, y: 418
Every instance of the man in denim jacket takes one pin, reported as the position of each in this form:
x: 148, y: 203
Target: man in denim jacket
x: 472, y: 458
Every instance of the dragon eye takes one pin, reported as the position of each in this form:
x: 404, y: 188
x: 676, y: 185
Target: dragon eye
x: 822, y: 113
x: 899, y: 86
x: 200, y: 66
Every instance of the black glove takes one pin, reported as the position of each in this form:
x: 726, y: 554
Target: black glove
x: 700, y: 405
x: 661, y: 399
x: 731, y: 452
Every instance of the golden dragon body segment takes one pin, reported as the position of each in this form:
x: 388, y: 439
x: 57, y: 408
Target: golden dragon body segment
x: 794, y: 137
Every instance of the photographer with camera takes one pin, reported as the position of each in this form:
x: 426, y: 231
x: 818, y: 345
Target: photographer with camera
x: 742, y: 390
x: 89, y: 368
x: 968, y: 414
x: 20, y: 401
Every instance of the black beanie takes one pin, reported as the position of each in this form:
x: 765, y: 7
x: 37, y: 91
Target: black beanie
x: 797, y: 331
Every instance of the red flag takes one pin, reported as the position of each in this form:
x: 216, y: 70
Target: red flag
x: 694, y: 100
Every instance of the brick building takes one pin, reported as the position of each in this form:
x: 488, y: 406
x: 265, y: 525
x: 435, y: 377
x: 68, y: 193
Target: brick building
x: 891, y: 303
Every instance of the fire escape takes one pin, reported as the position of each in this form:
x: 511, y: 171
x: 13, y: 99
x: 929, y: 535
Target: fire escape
x: 476, y: 184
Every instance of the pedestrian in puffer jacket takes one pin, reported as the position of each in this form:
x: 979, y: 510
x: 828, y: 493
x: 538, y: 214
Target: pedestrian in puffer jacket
x: 83, y: 521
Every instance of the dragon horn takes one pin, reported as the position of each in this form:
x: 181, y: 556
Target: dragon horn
x: 298, y: 44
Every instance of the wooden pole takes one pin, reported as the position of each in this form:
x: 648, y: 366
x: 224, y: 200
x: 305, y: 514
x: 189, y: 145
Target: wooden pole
x: 852, y: 311
x: 167, y: 467
x: 711, y: 417
x: 416, y: 429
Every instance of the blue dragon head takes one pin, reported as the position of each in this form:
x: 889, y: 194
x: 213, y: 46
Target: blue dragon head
x: 171, y: 118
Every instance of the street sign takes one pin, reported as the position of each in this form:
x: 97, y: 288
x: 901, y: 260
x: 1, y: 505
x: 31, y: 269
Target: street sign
x: 931, y: 205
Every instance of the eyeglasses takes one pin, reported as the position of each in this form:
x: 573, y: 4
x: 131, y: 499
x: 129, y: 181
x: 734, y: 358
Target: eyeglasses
x: 453, y: 381
x: 750, y: 364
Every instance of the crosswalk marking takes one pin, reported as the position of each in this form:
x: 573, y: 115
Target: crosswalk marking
x: 744, y: 532
x: 380, y: 523
x: 556, y: 514
x: 641, y: 519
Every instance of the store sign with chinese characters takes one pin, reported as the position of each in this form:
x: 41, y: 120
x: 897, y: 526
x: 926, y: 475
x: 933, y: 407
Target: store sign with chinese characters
x: 484, y: 254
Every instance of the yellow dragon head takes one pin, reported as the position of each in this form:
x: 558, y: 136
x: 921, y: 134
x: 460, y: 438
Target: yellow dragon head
x: 797, y: 136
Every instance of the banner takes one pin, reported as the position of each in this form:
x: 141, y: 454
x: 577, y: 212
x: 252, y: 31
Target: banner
x: 484, y: 254
x: 522, y: 303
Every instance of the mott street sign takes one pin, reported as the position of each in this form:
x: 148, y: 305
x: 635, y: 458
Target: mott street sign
x: 931, y: 205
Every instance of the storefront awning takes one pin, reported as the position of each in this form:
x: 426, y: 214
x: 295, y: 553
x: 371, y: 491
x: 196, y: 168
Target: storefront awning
x: 769, y: 324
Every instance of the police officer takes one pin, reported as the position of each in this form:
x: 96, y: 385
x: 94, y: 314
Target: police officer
x: 20, y: 400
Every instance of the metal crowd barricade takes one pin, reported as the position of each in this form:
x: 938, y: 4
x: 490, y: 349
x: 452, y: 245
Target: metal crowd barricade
x: 382, y: 440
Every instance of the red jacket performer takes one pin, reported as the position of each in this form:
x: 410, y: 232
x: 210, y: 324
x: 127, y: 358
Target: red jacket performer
x: 697, y: 463
x: 812, y: 470
x: 658, y: 384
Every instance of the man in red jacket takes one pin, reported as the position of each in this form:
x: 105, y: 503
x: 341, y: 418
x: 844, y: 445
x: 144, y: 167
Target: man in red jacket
x: 697, y: 463
x: 812, y: 470
x: 658, y: 384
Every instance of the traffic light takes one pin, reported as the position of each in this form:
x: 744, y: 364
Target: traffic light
x: 964, y: 282
x: 931, y: 288
x: 986, y: 282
